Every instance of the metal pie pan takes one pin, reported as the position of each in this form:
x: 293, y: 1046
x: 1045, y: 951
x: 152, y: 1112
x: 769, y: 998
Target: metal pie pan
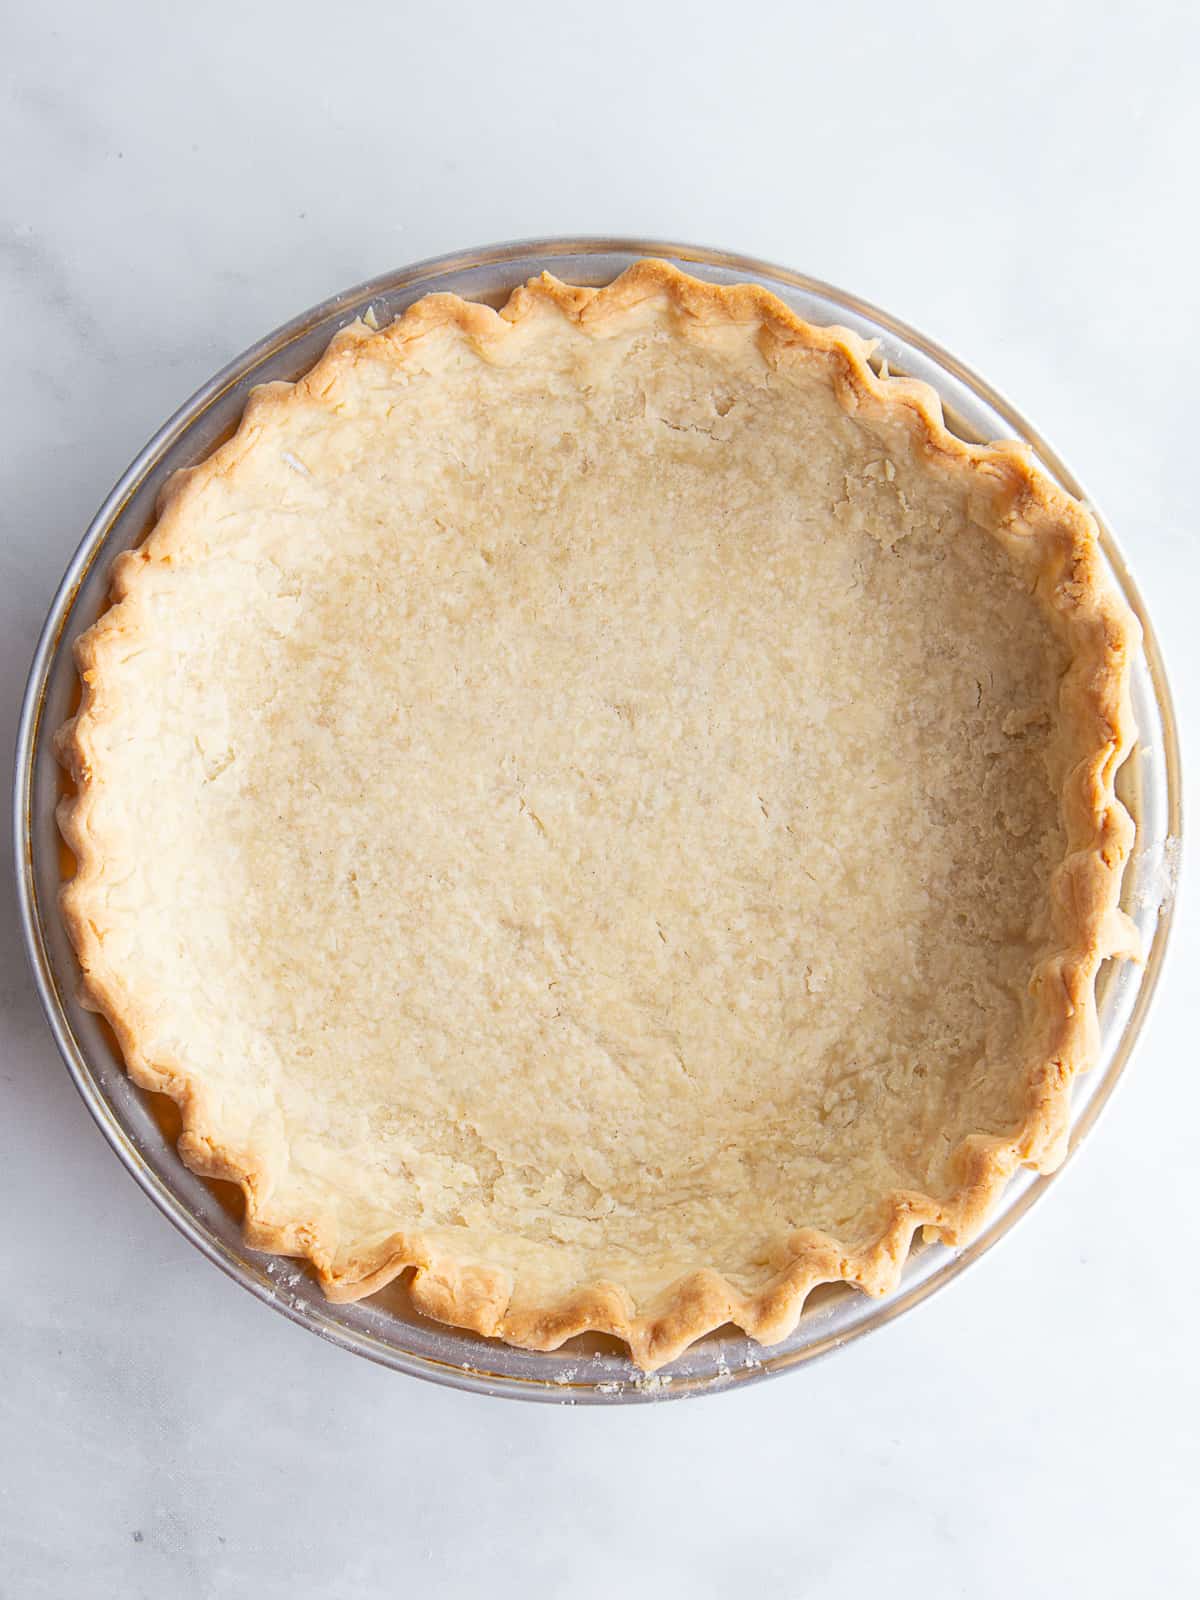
x: 385, y: 1328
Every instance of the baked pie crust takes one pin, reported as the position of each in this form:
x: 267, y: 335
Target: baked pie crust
x: 608, y: 804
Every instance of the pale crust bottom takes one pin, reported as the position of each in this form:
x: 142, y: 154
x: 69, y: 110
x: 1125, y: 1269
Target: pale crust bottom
x: 656, y: 991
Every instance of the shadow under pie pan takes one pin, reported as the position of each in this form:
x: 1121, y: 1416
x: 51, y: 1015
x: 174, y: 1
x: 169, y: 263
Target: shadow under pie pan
x: 385, y: 1328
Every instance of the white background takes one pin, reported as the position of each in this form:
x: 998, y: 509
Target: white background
x: 1019, y: 182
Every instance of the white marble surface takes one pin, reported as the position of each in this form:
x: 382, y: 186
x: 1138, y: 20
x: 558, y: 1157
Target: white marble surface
x: 1017, y: 181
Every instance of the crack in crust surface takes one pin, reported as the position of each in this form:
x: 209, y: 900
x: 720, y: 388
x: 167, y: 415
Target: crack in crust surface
x: 737, y: 910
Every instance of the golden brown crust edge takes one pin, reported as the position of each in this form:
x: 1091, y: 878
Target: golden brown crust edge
x: 1029, y: 509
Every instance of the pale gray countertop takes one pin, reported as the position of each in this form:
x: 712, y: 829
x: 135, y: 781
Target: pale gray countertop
x: 1018, y: 182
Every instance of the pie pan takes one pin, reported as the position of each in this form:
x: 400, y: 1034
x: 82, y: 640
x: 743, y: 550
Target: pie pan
x: 384, y: 1327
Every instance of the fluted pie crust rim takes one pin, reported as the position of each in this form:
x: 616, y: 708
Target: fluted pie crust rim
x: 1084, y: 891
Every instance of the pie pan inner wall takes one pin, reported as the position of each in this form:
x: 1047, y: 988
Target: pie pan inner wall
x: 383, y: 1328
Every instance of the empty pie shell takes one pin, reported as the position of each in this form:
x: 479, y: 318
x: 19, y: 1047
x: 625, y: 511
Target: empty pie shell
x: 608, y: 805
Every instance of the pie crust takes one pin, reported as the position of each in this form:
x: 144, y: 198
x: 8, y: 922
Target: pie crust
x: 609, y: 805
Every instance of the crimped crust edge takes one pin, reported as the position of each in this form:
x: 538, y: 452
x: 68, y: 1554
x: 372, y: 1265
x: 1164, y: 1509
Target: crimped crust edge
x: 1085, y: 888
